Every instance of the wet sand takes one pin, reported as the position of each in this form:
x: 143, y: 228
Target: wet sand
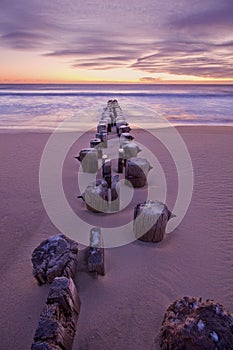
x: 124, y: 309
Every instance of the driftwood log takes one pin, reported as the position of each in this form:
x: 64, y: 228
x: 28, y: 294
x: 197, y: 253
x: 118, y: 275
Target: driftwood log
x: 95, y: 258
x: 115, y: 194
x: 136, y: 171
x: 54, y: 257
x: 150, y: 220
x: 89, y: 160
x: 96, y: 196
x: 58, y: 320
x: 192, y: 324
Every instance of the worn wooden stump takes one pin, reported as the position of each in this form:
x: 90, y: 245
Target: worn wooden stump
x: 104, y: 139
x: 115, y: 103
x: 123, y: 129
x: 125, y: 137
x: 104, y: 158
x: 107, y: 171
x: 106, y: 117
x: 136, y: 171
x: 89, y: 160
x: 96, y: 196
x: 102, y: 127
x: 131, y: 149
x: 120, y: 164
x: 109, y: 103
x: 95, y: 258
x: 115, y: 194
x: 114, y: 115
x: 119, y: 116
x: 192, y: 324
x: 54, y: 257
x: 111, y: 114
x: 96, y: 143
x: 120, y: 122
x: 58, y: 320
x: 150, y: 220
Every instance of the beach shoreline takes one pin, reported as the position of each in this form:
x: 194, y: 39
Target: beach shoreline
x: 125, y: 308
x: 36, y: 130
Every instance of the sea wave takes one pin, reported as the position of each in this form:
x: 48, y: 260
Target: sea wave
x: 46, y: 106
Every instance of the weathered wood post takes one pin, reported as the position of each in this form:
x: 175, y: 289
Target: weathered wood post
x: 54, y: 257
x: 89, y: 160
x: 131, y: 149
x: 120, y: 161
x: 109, y: 129
x: 114, y: 115
x: 58, y: 320
x: 96, y: 196
x: 107, y: 119
x: 125, y: 137
x: 107, y: 171
x: 111, y: 116
x: 104, y: 158
x: 96, y: 143
x: 123, y: 129
x: 102, y: 127
x: 95, y: 259
x: 104, y: 140
x: 136, y: 171
x: 150, y: 220
x: 115, y: 194
x: 190, y: 323
x: 119, y: 123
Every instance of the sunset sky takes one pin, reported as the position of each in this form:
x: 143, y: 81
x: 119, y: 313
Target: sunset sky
x: 116, y: 41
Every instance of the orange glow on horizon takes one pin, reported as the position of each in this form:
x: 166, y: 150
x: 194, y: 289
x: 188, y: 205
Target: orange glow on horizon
x: 29, y: 68
x: 4, y: 80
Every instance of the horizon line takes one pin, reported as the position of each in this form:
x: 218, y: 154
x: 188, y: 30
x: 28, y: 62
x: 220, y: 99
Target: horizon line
x: 178, y: 82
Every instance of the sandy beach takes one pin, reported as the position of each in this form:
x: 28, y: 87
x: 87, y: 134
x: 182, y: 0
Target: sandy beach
x: 125, y: 308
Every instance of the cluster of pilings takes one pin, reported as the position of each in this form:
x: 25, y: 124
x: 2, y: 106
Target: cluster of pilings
x: 56, y: 261
x: 103, y: 194
x: 188, y: 323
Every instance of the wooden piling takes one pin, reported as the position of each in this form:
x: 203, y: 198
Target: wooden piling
x: 58, y: 320
x: 115, y: 194
x: 95, y: 259
x: 150, y: 220
x: 120, y: 161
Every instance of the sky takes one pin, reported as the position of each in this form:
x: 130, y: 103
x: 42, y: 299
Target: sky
x: 148, y: 41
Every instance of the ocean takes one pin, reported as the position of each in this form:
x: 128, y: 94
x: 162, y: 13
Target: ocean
x: 44, y: 107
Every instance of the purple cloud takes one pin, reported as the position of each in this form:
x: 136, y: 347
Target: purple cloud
x: 151, y: 36
x: 24, y: 40
x: 200, y: 59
